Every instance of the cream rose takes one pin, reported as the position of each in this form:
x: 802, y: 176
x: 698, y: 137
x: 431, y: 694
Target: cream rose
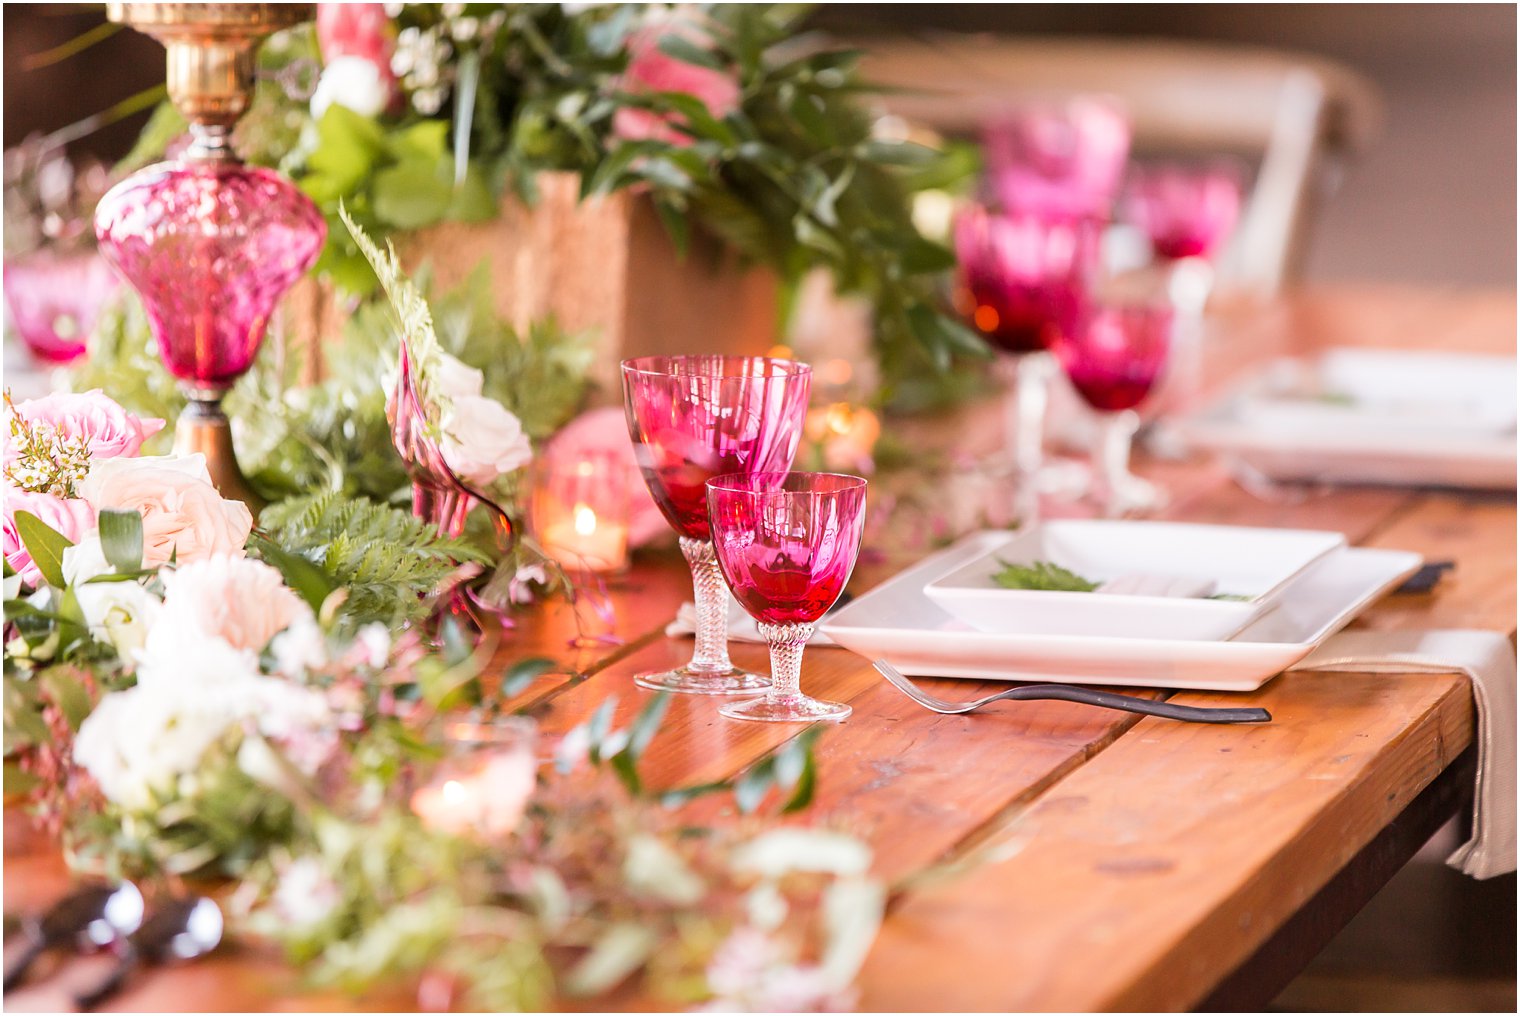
x: 183, y: 515
x: 243, y: 602
x: 119, y: 614
x: 453, y: 378
x: 482, y: 439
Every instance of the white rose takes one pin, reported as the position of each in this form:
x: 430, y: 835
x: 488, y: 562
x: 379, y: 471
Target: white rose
x: 239, y: 600
x: 453, y: 378
x: 353, y: 82
x: 143, y: 739
x: 85, y: 560
x: 118, y: 613
x: 183, y: 515
x: 12, y: 586
x: 482, y: 440
x: 152, y: 737
x: 178, y: 655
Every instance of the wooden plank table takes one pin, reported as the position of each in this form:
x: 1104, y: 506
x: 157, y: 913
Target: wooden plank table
x: 1128, y: 863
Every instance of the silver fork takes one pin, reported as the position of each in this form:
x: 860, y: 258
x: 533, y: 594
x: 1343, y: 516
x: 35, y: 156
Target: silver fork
x: 1071, y: 693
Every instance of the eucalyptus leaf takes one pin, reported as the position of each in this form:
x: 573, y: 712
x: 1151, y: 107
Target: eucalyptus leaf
x: 121, y: 538
x: 45, y: 545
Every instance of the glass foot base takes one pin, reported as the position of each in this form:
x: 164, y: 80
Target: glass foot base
x: 693, y: 682
x: 798, y: 710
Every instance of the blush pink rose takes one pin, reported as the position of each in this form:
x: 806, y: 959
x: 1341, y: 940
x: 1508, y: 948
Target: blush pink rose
x: 243, y: 602
x: 108, y: 429
x: 183, y: 515
x: 652, y: 70
x: 70, y: 516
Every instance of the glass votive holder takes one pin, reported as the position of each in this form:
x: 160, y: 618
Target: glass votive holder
x: 485, y: 780
x: 579, y: 510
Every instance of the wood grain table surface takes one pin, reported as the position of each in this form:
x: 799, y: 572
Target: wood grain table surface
x: 1122, y: 863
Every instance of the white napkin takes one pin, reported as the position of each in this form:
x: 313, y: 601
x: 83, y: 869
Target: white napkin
x: 1488, y: 659
x: 741, y: 627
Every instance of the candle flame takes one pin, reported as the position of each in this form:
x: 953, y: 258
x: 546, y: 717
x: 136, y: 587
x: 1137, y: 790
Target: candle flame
x: 454, y: 792
x: 585, y: 520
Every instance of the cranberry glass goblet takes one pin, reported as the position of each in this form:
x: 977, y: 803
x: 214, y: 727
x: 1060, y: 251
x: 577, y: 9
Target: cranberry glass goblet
x: 54, y: 300
x: 692, y: 418
x: 1024, y: 280
x: 1058, y: 160
x: 1113, y: 358
x: 1187, y: 212
x: 787, y: 543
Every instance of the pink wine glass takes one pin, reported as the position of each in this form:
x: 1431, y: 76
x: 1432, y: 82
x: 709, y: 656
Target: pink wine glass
x: 1113, y: 358
x: 692, y: 418
x: 1024, y: 279
x: 55, y: 299
x: 787, y: 543
x: 1058, y: 160
x: 1186, y: 211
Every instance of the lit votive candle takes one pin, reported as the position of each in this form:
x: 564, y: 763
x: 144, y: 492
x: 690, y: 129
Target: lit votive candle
x: 482, y: 786
x: 580, y: 513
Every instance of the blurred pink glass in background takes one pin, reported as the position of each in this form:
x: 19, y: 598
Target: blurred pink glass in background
x: 1186, y: 211
x: 1058, y: 160
x: 55, y: 298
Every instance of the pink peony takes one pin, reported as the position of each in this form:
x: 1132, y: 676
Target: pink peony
x: 183, y: 515
x: 69, y: 515
x: 652, y: 70
x: 234, y: 598
x: 109, y: 430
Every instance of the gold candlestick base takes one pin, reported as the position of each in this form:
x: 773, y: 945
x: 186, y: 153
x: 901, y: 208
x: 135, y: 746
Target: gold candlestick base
x: 203, y: 427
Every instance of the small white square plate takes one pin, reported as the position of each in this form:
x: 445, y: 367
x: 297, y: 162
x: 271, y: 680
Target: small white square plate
x: 1238, y: 560
x: 1371, y: 416
x: 897, y: 622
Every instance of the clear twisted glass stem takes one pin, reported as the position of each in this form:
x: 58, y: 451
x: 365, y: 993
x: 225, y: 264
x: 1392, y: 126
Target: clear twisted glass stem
x: 787, y: 641
x: 710, y: 594
x: 1024, y: 408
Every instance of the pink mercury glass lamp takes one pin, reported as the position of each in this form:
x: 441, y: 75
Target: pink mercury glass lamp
x: 209, y: 243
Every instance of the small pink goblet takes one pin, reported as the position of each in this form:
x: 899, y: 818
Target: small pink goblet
x: 787, y: 543
x: 1058, y: 160
x: 1025, y: 278
x: 692, y: 418
x: 55, y: 299
x: 1187, y: 211
x: 1113, y: 358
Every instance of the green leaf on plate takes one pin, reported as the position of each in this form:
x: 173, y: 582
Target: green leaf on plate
x: 1041, y: 575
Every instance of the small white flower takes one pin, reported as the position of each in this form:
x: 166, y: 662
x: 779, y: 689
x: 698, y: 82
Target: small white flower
x: 520, y: 589
x: 300, y: 648
x: 120, y: 614
x: 353, y: 82
x: 306, y: 894
x: 375, y: 639
x: 85, y: 560
x: 483, y: 440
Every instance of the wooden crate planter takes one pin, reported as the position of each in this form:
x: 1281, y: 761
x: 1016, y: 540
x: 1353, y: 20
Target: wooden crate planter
x: 605, y: 266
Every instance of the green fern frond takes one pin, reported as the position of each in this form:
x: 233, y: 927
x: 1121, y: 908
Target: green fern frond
x: 386, y: 557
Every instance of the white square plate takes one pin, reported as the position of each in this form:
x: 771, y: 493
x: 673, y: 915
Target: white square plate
x: 1371, y: 416
x: 1238, y: 560
x: 897, y: 622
